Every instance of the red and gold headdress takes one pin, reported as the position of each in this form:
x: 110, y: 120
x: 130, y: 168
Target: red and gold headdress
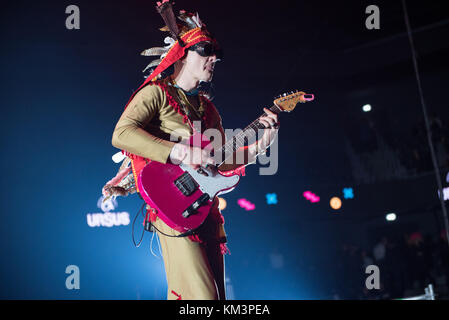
x: 190, y: 32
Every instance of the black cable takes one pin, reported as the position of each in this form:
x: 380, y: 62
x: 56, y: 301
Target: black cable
x: 132, y: 229
x: 185, y: 234
x: 426, y: 120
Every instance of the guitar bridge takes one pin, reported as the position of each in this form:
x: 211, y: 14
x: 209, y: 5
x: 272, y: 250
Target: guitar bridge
x: 186, y: 184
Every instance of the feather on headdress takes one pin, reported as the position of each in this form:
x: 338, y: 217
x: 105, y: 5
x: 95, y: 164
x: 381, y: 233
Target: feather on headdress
x: 165, y: 9
x: 189, y: 32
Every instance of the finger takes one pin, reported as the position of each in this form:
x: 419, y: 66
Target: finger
x: 265, y: 123
x: 206, y: 159
x: 268, y: 111
x: 269, y: 117
x: 275, y: 121
x: 210, y: 161
x: 272, y: 116
x: 271, y: 121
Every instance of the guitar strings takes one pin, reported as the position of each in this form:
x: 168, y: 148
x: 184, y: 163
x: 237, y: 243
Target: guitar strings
x: 241, y: 140
x: 254, y: 125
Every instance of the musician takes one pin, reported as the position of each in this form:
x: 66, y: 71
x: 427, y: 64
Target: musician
x: 163, y: 105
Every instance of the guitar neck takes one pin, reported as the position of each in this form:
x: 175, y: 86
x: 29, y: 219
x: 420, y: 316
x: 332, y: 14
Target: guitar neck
x: 239, y: 140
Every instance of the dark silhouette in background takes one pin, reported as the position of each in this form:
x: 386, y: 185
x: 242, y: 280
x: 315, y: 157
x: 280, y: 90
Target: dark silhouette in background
x: 407, y: 265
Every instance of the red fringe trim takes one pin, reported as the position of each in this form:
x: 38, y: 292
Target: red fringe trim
x: 195, y: 238
x: 224, y: 249
x: 172, y: 102
x: 178, y: 295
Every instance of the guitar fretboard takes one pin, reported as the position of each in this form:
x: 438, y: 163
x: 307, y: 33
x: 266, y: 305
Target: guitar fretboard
x: 240, y: 139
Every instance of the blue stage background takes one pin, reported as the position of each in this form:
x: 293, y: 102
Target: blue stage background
x: 62, y: 92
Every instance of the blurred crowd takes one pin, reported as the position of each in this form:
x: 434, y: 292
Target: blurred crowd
x: 414, y: 153
x: 377, y: 153
x: 407, y: 264
x: 406, y: 267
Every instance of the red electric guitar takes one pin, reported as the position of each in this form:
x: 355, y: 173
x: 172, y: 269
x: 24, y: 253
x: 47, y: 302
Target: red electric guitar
x: 184, y: 196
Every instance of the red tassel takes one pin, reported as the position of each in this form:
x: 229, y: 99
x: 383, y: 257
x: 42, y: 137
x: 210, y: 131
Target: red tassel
x: 220, y: 218
x: 224, y: 249
x: 195, y: 238
x: 178, y: 295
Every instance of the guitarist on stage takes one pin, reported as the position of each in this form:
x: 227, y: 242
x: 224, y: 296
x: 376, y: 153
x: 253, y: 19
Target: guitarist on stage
x: 165, y: 104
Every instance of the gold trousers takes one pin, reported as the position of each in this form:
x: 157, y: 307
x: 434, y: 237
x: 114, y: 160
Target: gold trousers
x: 194, y: 270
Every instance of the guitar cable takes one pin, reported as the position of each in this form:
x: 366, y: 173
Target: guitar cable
x: 148, y: 226
x: 132, y: 229
x: 185, y: 234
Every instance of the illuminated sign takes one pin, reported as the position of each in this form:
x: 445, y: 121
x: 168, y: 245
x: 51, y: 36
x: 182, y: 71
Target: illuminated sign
x: 107, y: 218
x: 335, y: 203
x: 348, y: 193
x: 271, y: 198
x: 311, y: 196
x: 245, y: 204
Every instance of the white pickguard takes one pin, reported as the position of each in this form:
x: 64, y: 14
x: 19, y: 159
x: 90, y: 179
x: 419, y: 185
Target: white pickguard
x: 214, y: 183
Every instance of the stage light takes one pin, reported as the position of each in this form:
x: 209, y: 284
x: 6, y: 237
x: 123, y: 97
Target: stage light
x: 335, y: 203
x: 245, y: 204
x: 271, y: 198
x: 445, y: 193
x: 390, y: 216
x: 221, y: 204
x: 118, y: 157
x: 311, y: 196
x: 348, y: 193
x: 366, y: 108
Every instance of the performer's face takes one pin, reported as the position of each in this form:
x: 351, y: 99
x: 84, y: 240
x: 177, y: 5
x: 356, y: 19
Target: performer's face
x: 199, y: 67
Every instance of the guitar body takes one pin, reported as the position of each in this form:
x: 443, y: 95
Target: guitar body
x: 182, y: 196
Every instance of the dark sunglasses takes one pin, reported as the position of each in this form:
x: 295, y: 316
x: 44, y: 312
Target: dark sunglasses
x: 207, y: 49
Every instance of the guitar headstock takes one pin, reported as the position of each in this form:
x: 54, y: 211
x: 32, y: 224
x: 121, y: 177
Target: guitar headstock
x: 287, y: 101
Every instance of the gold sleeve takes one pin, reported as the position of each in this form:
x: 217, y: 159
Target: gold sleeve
x: 129, y: 133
